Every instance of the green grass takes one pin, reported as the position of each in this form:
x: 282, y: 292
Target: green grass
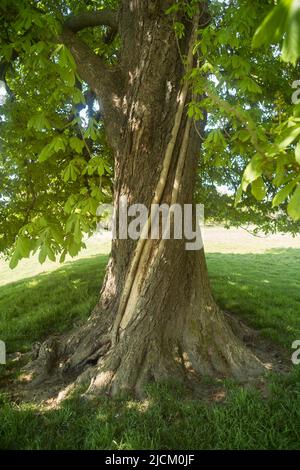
x: 32, y: 309
x: 166, y: 421
x: 262, y: 288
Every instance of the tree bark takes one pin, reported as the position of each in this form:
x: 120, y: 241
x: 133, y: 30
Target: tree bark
x: 158, y: 320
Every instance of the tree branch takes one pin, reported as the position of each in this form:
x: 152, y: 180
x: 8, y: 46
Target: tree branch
x: 92, y: 19
x: 104, y: 80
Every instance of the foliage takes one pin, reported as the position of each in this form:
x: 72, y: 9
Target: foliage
x: 55, y: 164
x: 283, y: 22
x: 251, y: 143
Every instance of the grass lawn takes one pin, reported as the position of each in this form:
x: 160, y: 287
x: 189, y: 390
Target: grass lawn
x: 263, y: 288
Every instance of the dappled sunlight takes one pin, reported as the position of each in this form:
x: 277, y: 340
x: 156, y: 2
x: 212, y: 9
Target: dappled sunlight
x: 243, y: 283
x: 56, y: 299
x: 218, y: 396
x: 33, y: 283
x: 25, y: 378
x: 141, y: 406
x: 123, y: 122
x: 162, y: 420
x: 262, y: 288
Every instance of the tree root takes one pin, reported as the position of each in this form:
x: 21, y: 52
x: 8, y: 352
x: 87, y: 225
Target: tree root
x: 132, y: 364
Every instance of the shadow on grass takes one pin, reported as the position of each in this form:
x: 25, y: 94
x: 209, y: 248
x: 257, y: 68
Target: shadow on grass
x: 262, y: 288
x: 164, y: 420
x: 35, y: 307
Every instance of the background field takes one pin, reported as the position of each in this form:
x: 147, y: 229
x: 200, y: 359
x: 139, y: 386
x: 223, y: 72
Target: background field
x: 216, y: 240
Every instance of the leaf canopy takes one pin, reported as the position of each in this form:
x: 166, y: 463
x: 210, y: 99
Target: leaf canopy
x: 55, y: 164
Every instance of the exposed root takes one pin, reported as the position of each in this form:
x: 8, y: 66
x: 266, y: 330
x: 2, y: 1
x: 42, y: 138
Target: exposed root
x: 206, y: 346
x: 212, y: 349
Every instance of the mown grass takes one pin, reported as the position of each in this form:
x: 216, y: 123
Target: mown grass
x: 50, y: 303
x: 164, y: 421
x: 263, y: 288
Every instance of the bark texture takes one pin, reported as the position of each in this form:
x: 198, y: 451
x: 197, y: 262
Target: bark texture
x: 156, y: 318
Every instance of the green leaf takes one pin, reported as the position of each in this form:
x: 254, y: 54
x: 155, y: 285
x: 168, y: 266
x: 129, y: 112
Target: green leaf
x: 66, y: 60
x: 74, y: 248
x: 67, y: 174
x: 46, y: 153
x: 195, y: 111
x: 297, y: 153
x: 96, y: 164
x: 43, y: 253
x: 273, y: 25
x: 90, y: 132
x: 291, y: 43
x: 244, y: 135
x: 173, y: 9
x: 179, y: 29
x: 67, y: 65
x: 38, y: 122
x: 282, y: 22
x: 50, y: 253
x: 293, y: 208
x: 258, y: 189
x: 238, y: 195
x: 76, y: 144
x: 58, y: 144
x: 289, y: 136
x: 70, y: 223
x: 14, y: 260
x: 71, y: 172
x: 101, y: 168
x: 57, y: 234
x: 252, y: 171
x: 77, y: 231
x: 283, y: 193
x: 68, y: 76
x: 280, y: 172
x: 24, y: 246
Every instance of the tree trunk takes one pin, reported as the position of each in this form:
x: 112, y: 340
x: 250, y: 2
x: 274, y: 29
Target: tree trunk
x: 156, y: 318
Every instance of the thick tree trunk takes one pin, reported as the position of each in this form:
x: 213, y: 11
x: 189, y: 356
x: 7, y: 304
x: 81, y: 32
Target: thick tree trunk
x: 158, y: 320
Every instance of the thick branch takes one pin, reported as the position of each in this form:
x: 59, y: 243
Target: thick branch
x: 104, y: 80
x: 91, y: 19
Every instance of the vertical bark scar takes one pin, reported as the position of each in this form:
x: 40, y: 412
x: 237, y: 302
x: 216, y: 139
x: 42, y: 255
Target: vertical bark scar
x: 134, y: 267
